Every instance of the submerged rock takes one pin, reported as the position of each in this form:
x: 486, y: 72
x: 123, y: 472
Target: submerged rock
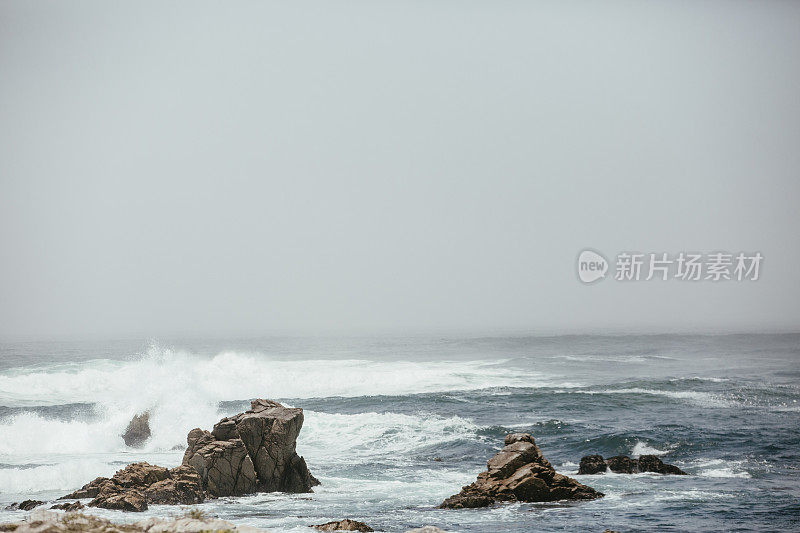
x: 251, y: 452
x: 42, y: 521
x: 344, y: 525
x: 138, y: 430
x: 519, y: 472
x: 622, y: 464
x: 74, y: 506
x: 138, y: 484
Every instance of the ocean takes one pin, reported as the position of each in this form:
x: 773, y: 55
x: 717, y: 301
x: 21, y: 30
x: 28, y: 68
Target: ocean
x: 395, y: 425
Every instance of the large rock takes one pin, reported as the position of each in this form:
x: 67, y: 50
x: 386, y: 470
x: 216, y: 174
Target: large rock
x: 138, y: 484
x: 251, y: 452
x: 138, y: 430
x: 622, y: 464
x: 519, y: 472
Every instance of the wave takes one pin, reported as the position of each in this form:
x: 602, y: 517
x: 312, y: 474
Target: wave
x: 83, y: 450
x: 642, y: 448
x: 163, y: 373
x: 703, y: 399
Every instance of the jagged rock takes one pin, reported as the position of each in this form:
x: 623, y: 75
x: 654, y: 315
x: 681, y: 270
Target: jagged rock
x: 251, y: 452
x: 25, y: 505
x: 622, y: 464
x: 592, y: 464
x: 138, y: 484
x: 74, y: 506
x: 344, y: 525
x: 138, y: 430
x: 41, y: 521
x: 129, y: 500
x: 519, y: 472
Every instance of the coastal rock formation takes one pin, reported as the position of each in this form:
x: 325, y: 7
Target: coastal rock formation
x: 519, y: 472
x: 138, y: 430
x: 622, y: 464
x: 251, y: 452
x: 41, y: 521
x: 138, y: 484
x: 344, y: 525
x: 26, y: 505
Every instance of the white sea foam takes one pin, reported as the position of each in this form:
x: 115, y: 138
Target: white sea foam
x: 720, y: 468
x: 642, y: 448
x: 703, y: 399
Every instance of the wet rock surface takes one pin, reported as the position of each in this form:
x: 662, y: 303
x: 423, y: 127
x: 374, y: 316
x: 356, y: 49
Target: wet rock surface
x: 344, y: 525
x: 42, y: 521
x: 25, y: 505
x: 251, y: 452
x: 519, y: 472
x: 622, y: 464
x: 138, y: 430
x: 136, y: 485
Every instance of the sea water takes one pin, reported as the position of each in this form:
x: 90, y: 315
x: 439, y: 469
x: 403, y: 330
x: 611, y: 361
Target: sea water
x: 395, y: 425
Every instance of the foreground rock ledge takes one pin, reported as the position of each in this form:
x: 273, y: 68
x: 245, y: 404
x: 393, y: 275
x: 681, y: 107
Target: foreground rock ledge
x: 519, y: 472
x: 52, y: 522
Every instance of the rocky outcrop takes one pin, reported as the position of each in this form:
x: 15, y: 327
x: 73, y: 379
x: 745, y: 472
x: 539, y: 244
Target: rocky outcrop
x: 519, y: 472
x: 138, y: 484
x: 622, y: 464
x: 138, y: 430
x: 251, y: 452
x: 41, y: 521
x: 344, y: 525
x: 26, y: 505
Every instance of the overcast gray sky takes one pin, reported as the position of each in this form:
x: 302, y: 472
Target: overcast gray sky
x: 314, y: 167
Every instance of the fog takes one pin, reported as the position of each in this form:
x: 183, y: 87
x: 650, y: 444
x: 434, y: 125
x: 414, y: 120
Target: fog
x: 256, y: 168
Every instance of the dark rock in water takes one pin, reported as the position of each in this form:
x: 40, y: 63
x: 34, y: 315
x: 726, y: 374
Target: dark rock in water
x: 519, y: 472
x: 138, y: 484
x: 344, y: 525
x: 651, y: 463
x: 622, y: 464
x: 592, y: 464
x: 26, y: 505
x: 251, y: 452
x: 138, y: 430
x: 74, y: 506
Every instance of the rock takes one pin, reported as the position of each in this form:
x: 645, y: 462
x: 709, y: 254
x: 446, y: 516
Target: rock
x: 592, y: 464
x: 251, y: 452
x: 344, y: 525
x: 25, y: 505
x: 41, y: 521
x: 138, y: 484
x: 138, y: 430
x: 622, y: 464
x: 651, y: 463
x: 519, y: 472
x: 74, y: 506
x: 128, y: 500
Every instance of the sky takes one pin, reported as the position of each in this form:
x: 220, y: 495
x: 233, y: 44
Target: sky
x: 315, y: 167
